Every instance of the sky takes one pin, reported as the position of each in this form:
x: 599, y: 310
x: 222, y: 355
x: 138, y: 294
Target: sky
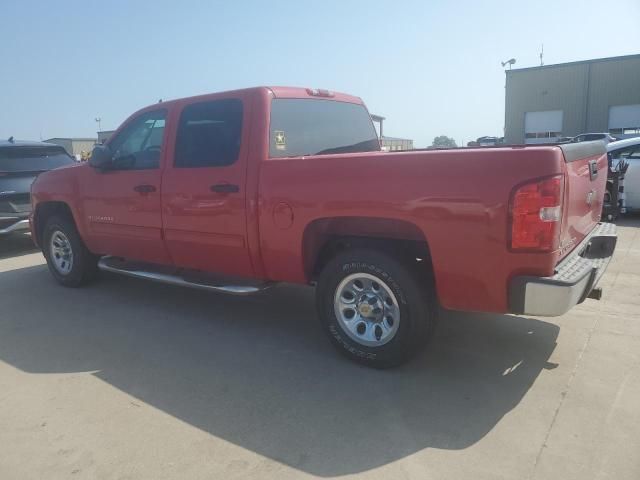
x: 430, y: 67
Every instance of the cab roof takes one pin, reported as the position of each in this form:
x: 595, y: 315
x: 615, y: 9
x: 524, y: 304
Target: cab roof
x: 277, y: 92
x: 299, y: 92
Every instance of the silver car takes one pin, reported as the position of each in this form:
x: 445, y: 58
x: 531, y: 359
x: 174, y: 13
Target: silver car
x: 628, y: 150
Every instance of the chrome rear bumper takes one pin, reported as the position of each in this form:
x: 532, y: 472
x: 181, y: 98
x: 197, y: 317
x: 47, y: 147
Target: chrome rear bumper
x: 574, y: 279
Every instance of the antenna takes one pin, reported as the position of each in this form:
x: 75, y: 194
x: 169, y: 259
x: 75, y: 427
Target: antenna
x: 542, y: 55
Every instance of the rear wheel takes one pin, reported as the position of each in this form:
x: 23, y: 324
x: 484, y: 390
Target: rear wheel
x: 375, y: 308
x: 68, y: 259
x: 609, y: 213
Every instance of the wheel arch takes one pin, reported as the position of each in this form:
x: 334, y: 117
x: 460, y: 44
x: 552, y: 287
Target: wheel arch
x: 45, y: 210
x: 326, y: 237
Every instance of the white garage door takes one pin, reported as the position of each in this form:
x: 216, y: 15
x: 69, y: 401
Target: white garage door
x: 542, y: 127
x: 624, y: 120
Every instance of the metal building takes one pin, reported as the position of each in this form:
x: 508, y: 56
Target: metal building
x: 74, y: 146
x: 543, y: 104
x: 390, y: 143
x: 395, y: 143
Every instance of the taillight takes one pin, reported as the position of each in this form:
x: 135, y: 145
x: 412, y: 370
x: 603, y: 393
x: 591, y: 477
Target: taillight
x: 536, y: 214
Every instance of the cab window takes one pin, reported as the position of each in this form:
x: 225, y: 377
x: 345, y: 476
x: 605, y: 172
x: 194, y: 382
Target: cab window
x: 138, y: 146
x: 209, y: 134
x: 625, y: 153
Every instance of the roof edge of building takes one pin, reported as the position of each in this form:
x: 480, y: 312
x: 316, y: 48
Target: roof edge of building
x: 578, y: 62
x: 77, y: 139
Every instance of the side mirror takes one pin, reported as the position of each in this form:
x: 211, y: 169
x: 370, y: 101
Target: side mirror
x: 101, y: 157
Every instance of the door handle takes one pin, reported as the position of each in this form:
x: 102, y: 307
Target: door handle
x: 225, y: 188
x: 143, y: 189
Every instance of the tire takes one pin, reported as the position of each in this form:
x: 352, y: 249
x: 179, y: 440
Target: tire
x: 608, y: 207
x: 61, y: 240
x: 402, y: 292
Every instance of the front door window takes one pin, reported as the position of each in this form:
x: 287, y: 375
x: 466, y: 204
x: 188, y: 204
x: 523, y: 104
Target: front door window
x: 138, y: 145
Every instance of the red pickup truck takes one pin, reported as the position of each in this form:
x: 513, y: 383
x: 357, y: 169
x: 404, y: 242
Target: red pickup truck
x: 235, y: 191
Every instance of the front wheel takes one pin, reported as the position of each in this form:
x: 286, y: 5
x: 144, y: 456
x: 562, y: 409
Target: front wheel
x: 68, y: 259
x: 375, y: 308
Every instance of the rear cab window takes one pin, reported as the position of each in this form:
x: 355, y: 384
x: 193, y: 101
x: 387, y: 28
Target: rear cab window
x: 301, y: 127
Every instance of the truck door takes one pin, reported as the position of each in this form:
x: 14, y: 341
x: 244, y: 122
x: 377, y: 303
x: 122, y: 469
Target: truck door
x: 122, y: 204
x: 203, y: 188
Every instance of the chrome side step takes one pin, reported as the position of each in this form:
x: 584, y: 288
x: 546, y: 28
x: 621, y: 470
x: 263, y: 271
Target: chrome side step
x: 183, y: 278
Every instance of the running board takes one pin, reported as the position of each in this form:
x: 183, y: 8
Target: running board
x: 180, y: 277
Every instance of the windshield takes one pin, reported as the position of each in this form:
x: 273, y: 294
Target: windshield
x: 318, y: 127
x: 32, y: 159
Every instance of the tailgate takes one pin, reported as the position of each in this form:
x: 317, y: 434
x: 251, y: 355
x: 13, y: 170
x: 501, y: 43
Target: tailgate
x: 584, y: 188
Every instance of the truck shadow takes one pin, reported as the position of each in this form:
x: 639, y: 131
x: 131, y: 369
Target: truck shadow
x: 259, y: 373
x: 629, y: 220
x: 16, y: 244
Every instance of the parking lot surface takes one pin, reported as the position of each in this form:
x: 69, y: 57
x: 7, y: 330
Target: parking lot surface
x: 128, y: 379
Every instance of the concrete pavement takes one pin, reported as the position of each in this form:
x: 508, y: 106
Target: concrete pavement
x: 127, y: 379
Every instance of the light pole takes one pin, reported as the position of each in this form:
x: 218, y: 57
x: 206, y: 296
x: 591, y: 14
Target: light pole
x: 509, y: 62
x: 98, y: 120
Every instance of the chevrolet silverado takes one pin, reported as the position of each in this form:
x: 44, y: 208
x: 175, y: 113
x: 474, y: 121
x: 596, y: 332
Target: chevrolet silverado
x: 232, y: 192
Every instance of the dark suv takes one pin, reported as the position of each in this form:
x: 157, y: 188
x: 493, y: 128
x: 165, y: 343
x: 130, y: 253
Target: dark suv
x: 20, y: 164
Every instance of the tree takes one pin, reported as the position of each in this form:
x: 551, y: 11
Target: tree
x: 442, y: 141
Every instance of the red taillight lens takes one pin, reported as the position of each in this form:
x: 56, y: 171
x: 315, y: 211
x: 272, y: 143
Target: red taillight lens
x: 536, y: 214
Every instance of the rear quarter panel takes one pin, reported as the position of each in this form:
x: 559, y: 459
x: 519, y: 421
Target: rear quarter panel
x: 458, y: 199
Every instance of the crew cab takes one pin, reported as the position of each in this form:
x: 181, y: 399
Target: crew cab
x: 235, y: 191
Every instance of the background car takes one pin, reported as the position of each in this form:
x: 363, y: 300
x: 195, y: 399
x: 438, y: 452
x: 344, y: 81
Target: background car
x: 588, y: 137
x: 628, y: 151
x: 20, y: 164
